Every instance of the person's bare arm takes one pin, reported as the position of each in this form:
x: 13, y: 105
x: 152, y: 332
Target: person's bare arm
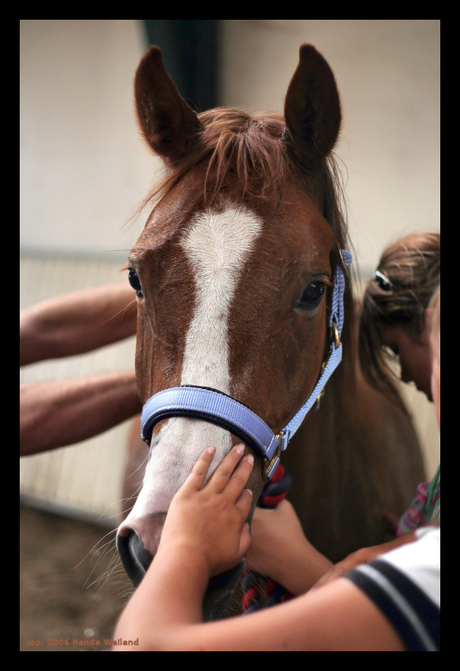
x: 280, y: 550
x: 363, y: 556
x: 203, y: 535
x: 55, y: 414
x: 77, y: 322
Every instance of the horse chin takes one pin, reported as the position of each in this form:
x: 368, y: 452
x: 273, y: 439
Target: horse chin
x: 219, y: 593
x: 134, y: 557
x: 136, y: 560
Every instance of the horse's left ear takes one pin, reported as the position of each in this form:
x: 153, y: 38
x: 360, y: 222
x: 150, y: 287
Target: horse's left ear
x: 312, y: 108
x: 168, y: 124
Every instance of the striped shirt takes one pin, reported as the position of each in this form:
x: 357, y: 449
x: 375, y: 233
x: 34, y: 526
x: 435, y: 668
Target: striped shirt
x: 405, y: 585
x: 426, y: 506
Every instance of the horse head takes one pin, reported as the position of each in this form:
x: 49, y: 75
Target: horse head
x: 233, y: 276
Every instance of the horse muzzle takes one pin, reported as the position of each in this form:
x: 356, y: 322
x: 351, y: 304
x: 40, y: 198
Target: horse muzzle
x: 136, y: 559
x: 137, y: 545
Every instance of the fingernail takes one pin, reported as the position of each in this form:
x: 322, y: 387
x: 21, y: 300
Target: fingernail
x: 239, y: 449
x: 250, y: 458
x: 211, y: 450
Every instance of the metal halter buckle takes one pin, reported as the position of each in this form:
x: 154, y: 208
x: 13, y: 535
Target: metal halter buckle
x: 343, y: 264
x: 335, y: 334
x: 269, y: 466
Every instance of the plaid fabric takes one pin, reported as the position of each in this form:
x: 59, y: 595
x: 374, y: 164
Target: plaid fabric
x: 425, y: 508
x: 260, y: 591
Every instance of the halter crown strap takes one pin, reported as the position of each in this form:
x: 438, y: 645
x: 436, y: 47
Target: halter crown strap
x: 218, y: 408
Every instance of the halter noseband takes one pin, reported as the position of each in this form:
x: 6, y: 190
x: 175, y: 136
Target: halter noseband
x: 216, y: 407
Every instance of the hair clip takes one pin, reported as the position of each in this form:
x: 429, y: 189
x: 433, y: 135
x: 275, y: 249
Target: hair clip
x: 382, y: 280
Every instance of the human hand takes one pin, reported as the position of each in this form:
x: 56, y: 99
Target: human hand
x: 274, y: 530
x: 280, y: 550
x: 209, y: 520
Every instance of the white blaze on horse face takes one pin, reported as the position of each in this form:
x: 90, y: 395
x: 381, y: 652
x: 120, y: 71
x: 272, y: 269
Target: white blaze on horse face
x: 217, y: 246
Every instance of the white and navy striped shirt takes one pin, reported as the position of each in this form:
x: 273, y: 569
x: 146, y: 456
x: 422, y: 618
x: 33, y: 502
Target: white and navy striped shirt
x: 405, y: 585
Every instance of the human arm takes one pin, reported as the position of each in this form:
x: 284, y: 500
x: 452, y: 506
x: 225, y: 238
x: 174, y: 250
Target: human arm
x: 165, y: 611
x: 77, y: 322
x: 363, y: 556
x: 280, y: 550
x: 186, y: 559
x: 58, y: 413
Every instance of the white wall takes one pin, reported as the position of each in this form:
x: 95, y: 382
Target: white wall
x: 388, y: 76
x: 84, y: 168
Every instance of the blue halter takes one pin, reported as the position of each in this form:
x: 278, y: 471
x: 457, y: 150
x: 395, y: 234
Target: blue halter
x: 218, y: 408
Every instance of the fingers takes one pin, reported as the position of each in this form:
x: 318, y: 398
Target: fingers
x: 244, y: 503
x: 245, y: 539
x: 199, y: 471
x: 235, y: 489
x: 230, y: 475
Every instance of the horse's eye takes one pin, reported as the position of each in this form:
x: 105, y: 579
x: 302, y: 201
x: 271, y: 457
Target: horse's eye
x: 135, y: 283
x: 312, y: 296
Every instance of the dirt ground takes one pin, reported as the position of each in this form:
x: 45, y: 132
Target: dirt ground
x: 70, y: 597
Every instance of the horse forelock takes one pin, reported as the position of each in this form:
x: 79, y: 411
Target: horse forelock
x: 234, y: 142
x: 256, y: 149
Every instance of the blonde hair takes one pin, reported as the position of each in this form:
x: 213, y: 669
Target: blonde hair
x: 399, y: 293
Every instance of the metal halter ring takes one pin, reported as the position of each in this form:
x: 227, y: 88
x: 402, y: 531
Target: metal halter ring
x: 335, y: 334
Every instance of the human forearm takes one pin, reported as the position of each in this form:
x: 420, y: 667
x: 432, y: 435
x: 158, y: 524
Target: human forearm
x: 54, y: 414
x: 169, y: 599
x: 205, y: 534
x: 280, y: 550
x: 301, y: 568
x: 77, y: 322
x: 363, y: 556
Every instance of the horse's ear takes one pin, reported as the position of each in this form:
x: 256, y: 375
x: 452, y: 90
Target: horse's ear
x: 312, y: 107
x: 167, y: 122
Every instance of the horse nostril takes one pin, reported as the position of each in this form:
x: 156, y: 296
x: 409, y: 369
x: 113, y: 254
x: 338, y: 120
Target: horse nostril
x: 135, y: 558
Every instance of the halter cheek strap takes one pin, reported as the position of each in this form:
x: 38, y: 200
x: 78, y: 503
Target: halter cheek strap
x: 216, y: 407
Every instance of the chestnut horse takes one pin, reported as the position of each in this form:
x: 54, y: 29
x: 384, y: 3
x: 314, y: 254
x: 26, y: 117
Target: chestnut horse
x: 234, y: 276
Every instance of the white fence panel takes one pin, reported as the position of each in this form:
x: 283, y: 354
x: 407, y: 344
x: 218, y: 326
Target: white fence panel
x: 84, y: 479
